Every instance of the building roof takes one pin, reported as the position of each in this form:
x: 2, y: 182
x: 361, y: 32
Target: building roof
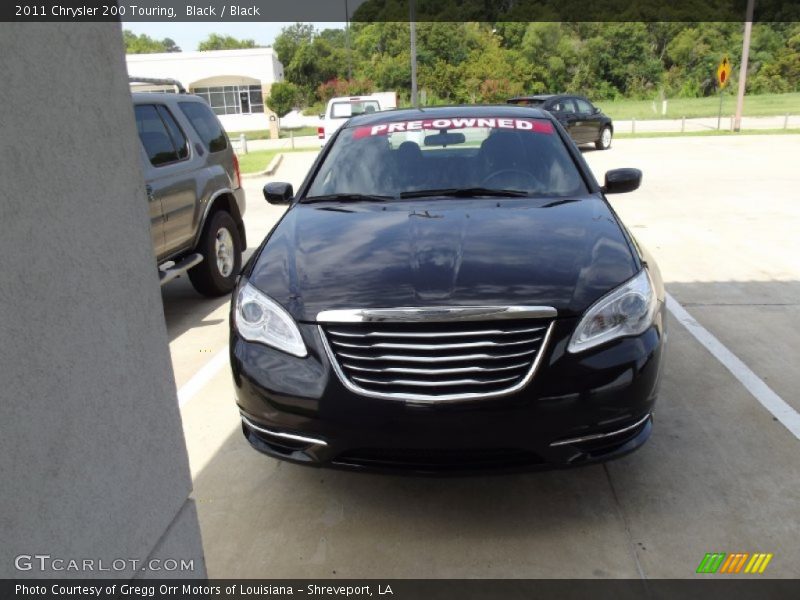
x: 199, y: 54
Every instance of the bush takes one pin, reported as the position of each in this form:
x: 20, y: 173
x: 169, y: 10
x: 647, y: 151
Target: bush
x: 283, y: 97
x: 343, y: 87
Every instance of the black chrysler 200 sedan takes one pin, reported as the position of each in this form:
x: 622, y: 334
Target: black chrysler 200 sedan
x: 449, y: 291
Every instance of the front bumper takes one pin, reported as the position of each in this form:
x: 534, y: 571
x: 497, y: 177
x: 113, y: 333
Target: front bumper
x: 578, y: 409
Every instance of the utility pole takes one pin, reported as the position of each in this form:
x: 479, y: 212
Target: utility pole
x: 347, y: 41
x: 413, y: 24
x: 748, y: 28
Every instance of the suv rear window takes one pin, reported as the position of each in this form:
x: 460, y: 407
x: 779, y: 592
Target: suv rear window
x: 161, y: 137
x: 206, y: 125
x: 345, y: 110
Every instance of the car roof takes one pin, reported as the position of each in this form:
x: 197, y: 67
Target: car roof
x: 449, y: 112
x: 147, y: 97
x: 536, y: 97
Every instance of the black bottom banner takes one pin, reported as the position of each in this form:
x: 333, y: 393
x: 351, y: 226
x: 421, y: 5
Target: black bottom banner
x: 403, y: 589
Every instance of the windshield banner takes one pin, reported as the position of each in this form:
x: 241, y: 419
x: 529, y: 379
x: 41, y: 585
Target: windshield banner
x: 532, y: 125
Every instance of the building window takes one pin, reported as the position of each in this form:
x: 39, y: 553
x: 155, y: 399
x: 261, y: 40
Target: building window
x: 233, y: 99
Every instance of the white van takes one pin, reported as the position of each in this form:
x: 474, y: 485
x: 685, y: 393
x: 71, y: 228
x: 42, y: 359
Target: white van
x: 342, y: 108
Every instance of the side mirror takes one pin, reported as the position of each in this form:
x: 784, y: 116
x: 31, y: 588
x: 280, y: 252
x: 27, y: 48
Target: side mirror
x: 322, y: 116
x: 278, y: 192
x: 620, y: 181
x: 595, y: 110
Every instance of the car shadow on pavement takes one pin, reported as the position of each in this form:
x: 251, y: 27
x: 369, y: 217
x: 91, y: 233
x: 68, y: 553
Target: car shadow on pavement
x: 185, y: 309
x: 299, y: 521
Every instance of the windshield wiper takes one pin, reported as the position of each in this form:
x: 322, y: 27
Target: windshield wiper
x: 346, y: 198
x: 472, y: 192
x: 560, y: 202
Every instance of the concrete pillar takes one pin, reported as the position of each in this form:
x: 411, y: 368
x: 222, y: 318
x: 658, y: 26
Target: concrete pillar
x: 274, y: 129
x: 94, y: 462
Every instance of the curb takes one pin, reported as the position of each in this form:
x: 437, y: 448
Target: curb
x: 270, y: 170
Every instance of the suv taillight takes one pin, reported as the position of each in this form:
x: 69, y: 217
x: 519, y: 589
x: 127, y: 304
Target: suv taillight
x: 321, y: 133
x: 237, y: 176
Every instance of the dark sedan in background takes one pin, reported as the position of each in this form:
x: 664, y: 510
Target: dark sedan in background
x: 584, y: 122
x: 449, y: 291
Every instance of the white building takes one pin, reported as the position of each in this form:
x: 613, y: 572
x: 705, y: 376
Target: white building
x: 233, y: 82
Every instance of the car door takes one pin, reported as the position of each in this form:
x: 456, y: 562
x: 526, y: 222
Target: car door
x: 588, y: 120
x: 563, y: 109
x: 169, y: 173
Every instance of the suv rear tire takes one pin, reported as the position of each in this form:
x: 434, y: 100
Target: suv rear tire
x: 604, y: 141
x: 222, y: 257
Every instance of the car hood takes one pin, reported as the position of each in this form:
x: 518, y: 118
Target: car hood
x: 444, y: 252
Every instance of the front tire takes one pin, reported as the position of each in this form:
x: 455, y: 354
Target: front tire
x: 604, y: 142
x: 222, y: 257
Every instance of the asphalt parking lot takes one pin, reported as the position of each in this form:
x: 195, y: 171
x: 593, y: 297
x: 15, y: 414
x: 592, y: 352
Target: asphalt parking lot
x: 720, y: 473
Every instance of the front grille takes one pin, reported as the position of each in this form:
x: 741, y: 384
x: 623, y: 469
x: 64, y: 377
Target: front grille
x: 437, y: 459
x: 436, y: 361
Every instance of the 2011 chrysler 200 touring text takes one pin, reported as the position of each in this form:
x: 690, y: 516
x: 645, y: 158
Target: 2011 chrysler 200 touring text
x: 448, y: 291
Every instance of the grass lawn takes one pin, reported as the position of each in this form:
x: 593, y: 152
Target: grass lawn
x: 763, y: 105
x: 263, y: 134
x: 255, y: 162
x: 711, y: 132
x: 285, y: 133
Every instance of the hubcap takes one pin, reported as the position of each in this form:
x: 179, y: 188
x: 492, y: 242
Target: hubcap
x: 606, y: 137
x: 223, y: 247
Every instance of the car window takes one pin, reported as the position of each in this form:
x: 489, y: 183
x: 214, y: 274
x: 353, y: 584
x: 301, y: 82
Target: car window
x: 584, y: 107
x: 176, y: 133
x: 565, y: 105
x: 345, y: 110
x: 206, y: 125
x: 389, y: 159
x: 154, y: 136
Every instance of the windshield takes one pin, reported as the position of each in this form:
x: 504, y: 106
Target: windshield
x: 404, y: 158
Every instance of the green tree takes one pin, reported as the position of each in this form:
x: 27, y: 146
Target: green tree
x: 484, y: 62
x: 290, y: 39
x: 781, y: 71
x: 283, y: 97
x: 224, y: 42
x: 144, y: 44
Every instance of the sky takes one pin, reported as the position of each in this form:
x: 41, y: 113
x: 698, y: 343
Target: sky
x: 188, y: 35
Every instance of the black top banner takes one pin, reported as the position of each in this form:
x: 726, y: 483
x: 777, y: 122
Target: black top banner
x: 396, y: 10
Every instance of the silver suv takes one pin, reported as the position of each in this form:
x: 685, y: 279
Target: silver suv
x: 194, y: 190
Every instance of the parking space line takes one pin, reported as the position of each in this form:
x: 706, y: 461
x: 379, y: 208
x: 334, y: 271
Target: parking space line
x: 202, y: 377
x: 776, y: 405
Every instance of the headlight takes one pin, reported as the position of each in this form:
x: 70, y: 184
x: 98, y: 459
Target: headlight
x: 627, y: 310
x: 260, y: 319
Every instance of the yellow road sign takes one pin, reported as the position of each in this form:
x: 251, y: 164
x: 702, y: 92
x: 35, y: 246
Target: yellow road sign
x: 724, y: 72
